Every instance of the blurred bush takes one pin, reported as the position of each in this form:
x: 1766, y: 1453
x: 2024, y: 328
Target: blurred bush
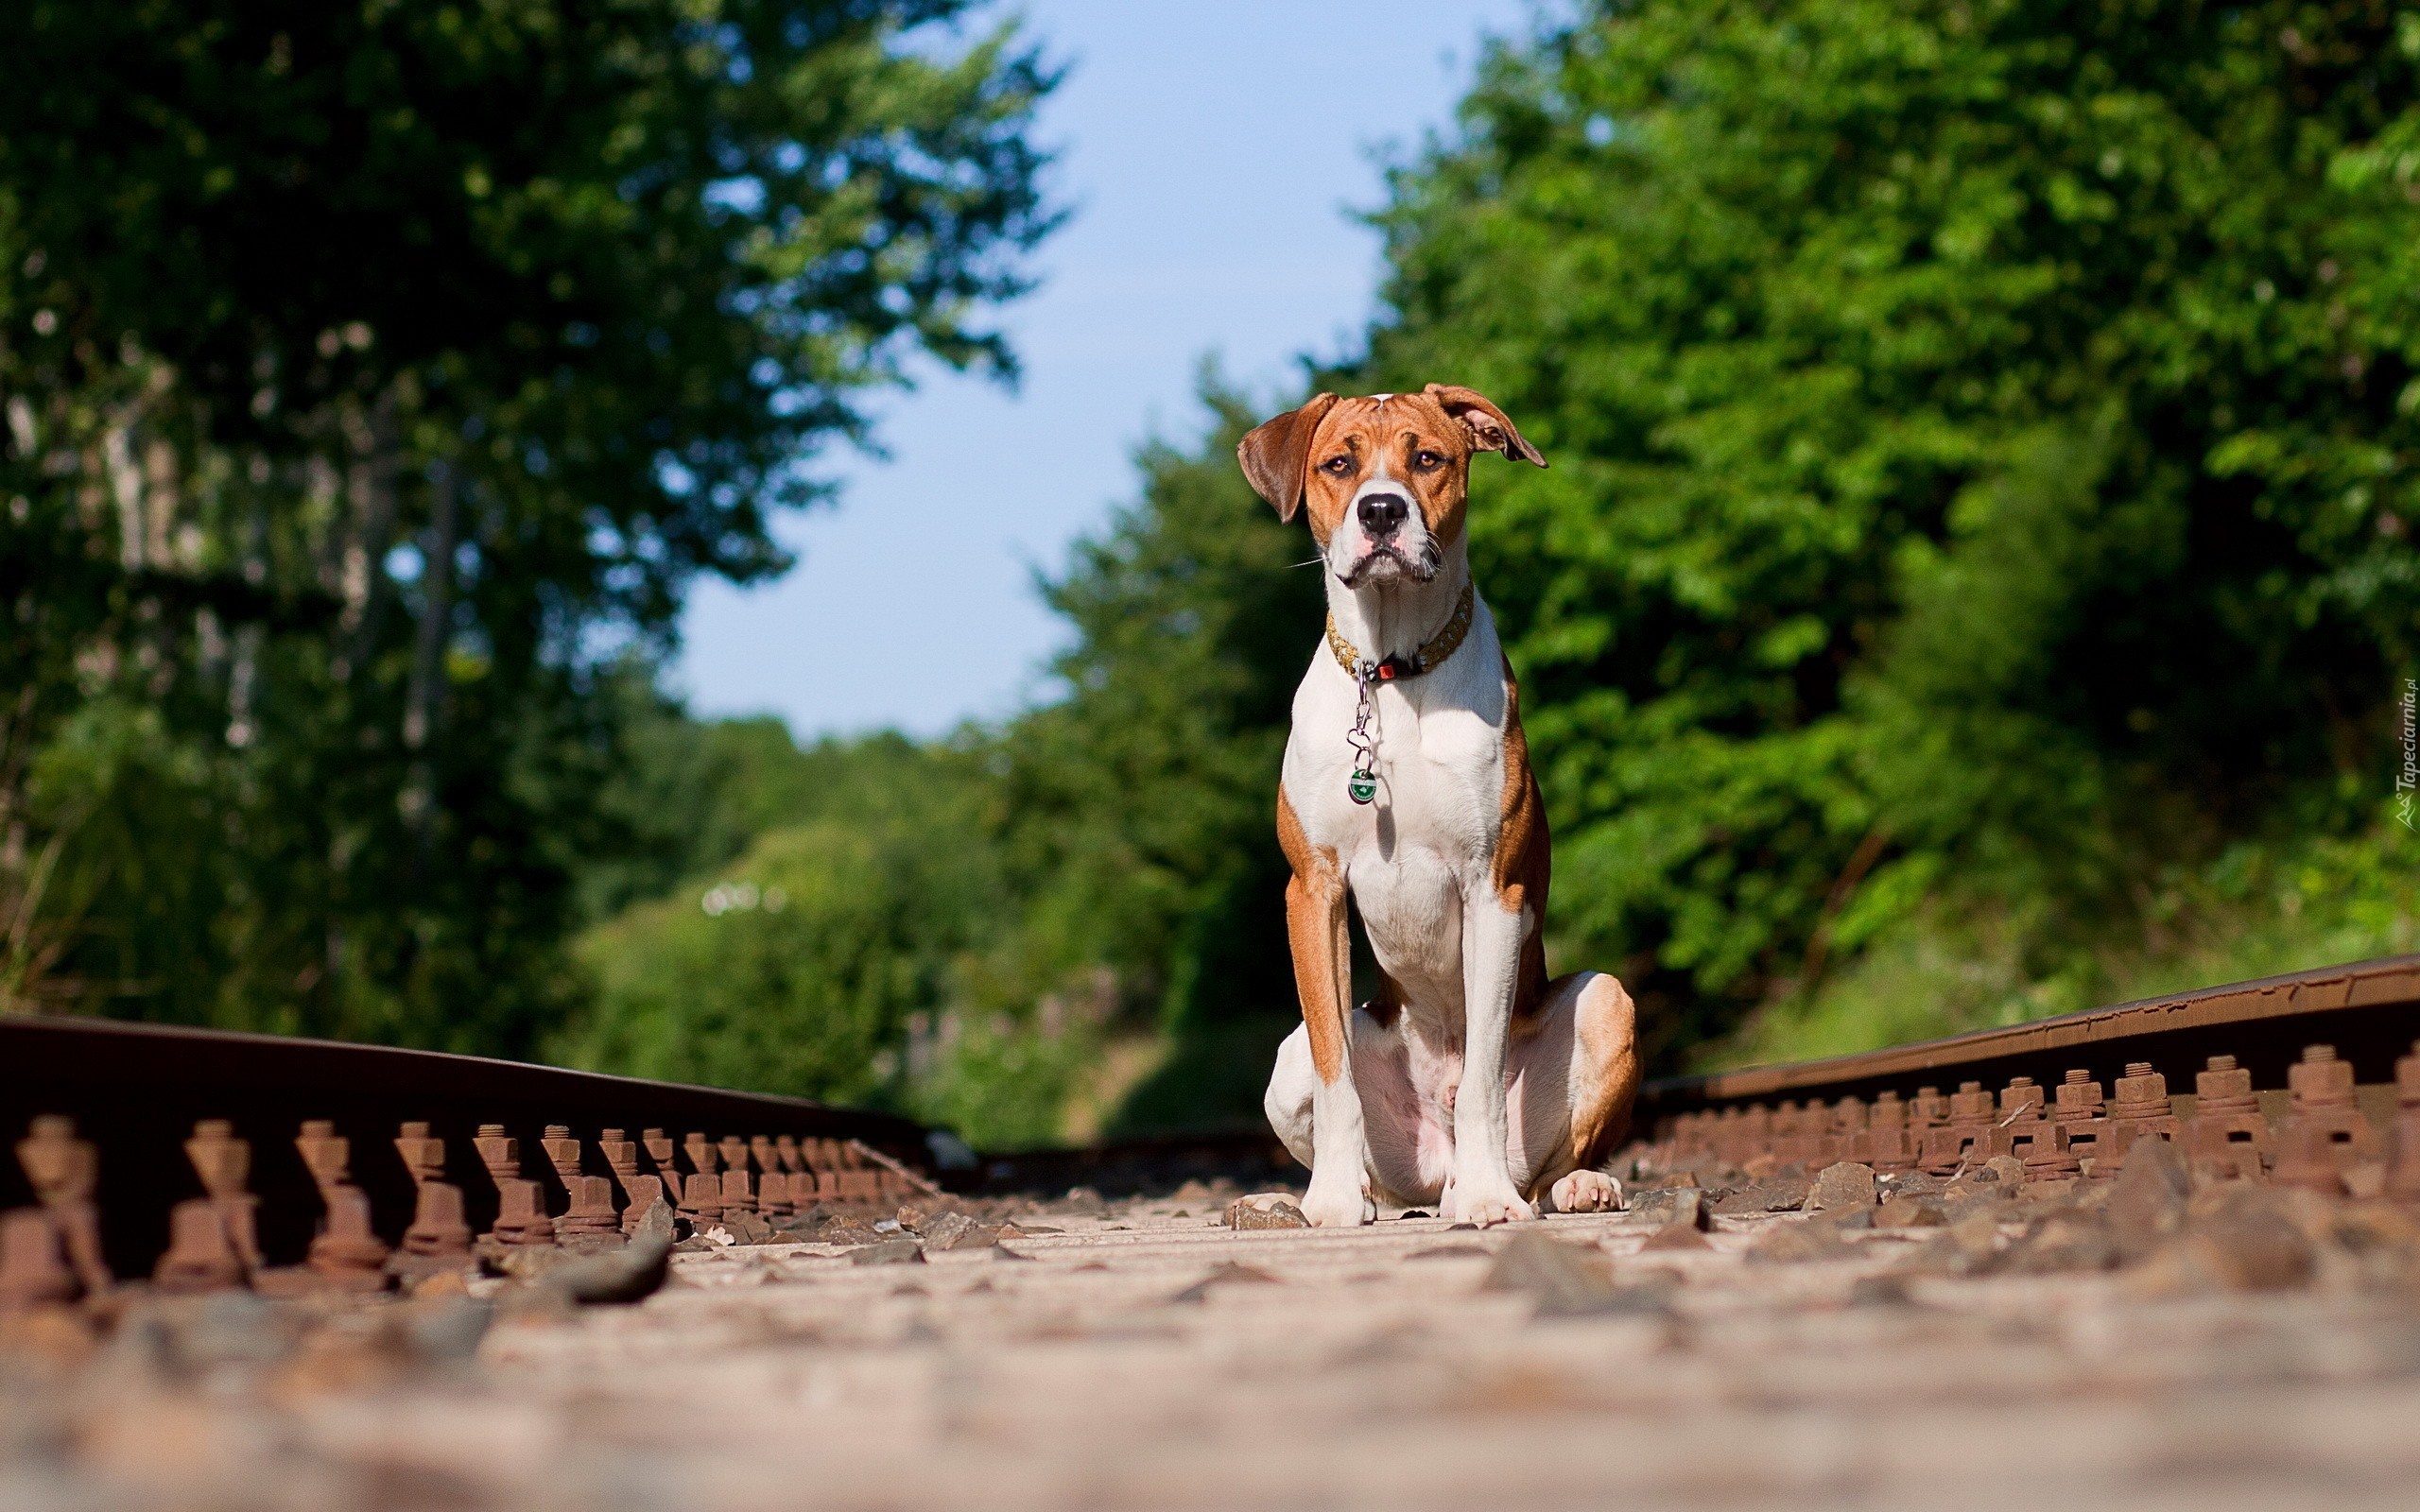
x: 797, y: 971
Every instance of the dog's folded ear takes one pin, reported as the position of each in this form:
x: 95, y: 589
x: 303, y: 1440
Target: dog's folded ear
x: 1276, y: 454
x: 1491, y: 429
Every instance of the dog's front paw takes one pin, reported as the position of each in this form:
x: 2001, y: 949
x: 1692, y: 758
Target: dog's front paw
x: 1467, y: 1202
x: 1338, y: 1205
x: 1587, y: 1191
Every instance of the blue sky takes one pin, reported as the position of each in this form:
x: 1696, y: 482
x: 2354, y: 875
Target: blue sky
x: 1213, y: 156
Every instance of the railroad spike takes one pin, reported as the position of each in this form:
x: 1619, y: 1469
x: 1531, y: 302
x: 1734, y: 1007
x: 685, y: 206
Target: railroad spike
x: 1849, y: 1139
x: 641, y: 1192
x: 773, y: 1182
x: 33, y: 1262
x: 2024, y: 1131
x: 1928, y: 1110
x: 521, y: 1217
x: 591, y: 1219
x: 438, y: 1230
x: 64, y: 1172
x: 738, y: 1189
x: 644, y: 1193
x: 2143, y: 1111
x: 223, y: 1161
x: 327, y: 1154
x: 521, y: 1203
x: 658, y: 1146
x: 422, y: 1155
x: 1966, y: 1138
x: 701, y: 1201
x: 2305, y: 1160
x: 199, y: 1257
x: 1893, y: 1145
x: 439, y: 1238
x: 2403, y: 1156
x: 798, y: 1178
x: 2228, y: 1133
x: 562, y: 1153
x: 2080, y: 1109
x: 621, y: 1157
x: 857, y: 1181
x: 346, y: 1253
x: 822, y: 1159
x: 2323, y: 1099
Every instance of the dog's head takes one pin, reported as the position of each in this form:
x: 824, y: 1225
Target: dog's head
x: 1385, y: 477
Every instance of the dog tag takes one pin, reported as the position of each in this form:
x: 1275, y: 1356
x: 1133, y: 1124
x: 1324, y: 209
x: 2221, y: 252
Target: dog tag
x: 1362, y: 786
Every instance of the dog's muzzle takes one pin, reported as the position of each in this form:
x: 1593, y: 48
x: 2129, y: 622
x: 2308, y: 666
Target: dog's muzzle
x: 1385, y: 540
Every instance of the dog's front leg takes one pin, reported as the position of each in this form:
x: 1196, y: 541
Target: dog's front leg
x: 1482, y: 1189
x: 1339, y: 1190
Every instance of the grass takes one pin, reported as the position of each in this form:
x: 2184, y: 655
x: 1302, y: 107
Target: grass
x: 2255, y: 911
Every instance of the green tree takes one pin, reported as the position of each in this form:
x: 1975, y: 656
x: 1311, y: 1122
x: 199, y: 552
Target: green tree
x: 1143, y: 802
x: 1984, y: 449
x: 1023, y: 910
x: 687, y: 795
x: 1974, y: 577
x: 376, y: 373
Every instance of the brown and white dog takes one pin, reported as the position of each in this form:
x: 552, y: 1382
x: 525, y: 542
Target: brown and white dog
x: 1472, y: 1083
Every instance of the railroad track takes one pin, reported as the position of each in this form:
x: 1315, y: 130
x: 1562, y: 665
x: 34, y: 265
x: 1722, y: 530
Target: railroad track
x: 201, y: 1159
x: 2311, y: 1079
x: 2099, y: 1077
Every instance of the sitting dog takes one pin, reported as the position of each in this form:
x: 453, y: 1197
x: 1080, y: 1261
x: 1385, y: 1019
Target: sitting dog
x: 1471, y: 1083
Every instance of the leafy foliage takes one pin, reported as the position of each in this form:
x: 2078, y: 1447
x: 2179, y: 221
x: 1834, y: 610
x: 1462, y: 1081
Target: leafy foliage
x: 798, y: 964
x: 1094, y: 907
x: 2253, y: 910
x: 376, y: 372
x: 1143, y: 802
x: 1983, y: 448
x: 1973, y: 579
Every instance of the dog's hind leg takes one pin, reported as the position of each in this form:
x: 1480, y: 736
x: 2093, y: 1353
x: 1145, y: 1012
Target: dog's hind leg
x: 1573, y: 1072
x: 1292, y: 1086
x: 1391, y: 1114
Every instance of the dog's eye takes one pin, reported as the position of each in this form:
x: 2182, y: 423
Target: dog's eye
x: 1427, y: 461
x: 1338, y: 465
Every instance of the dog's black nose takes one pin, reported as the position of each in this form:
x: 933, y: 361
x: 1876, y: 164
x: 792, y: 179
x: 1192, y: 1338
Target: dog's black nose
x: 1383, y: 513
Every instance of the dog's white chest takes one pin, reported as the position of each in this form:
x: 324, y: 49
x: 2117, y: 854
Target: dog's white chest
x: 1425, y: 844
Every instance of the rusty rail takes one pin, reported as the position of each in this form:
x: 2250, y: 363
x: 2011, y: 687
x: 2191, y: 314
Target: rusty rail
x: 202, y: 1159
x: 2309, y: 1080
